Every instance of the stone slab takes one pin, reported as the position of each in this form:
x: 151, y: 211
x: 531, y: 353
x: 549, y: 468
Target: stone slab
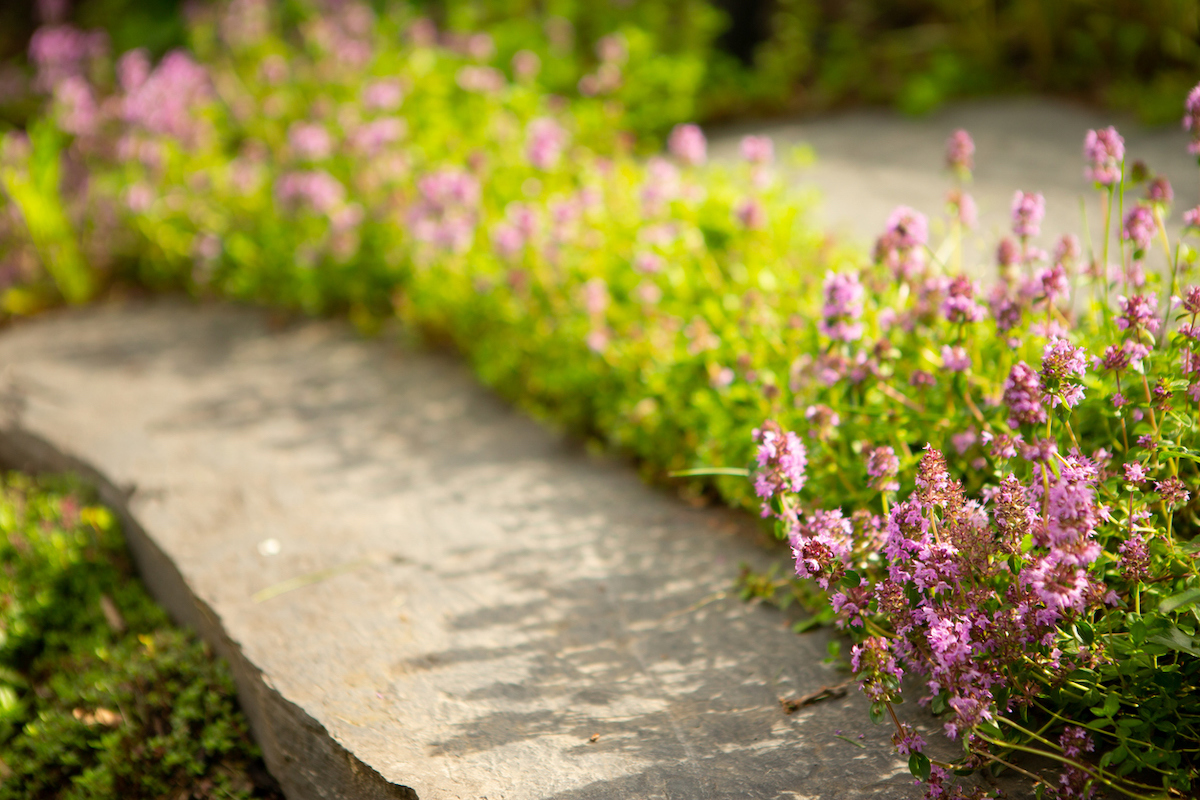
x: 422, y: 593
x: 871, y: 160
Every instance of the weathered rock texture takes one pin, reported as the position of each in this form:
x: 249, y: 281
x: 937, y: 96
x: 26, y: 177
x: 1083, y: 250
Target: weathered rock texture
x: 482, y: 611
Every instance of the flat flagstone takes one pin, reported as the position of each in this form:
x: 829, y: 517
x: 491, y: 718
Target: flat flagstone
x: 422, y: 593
x: 871, y: 160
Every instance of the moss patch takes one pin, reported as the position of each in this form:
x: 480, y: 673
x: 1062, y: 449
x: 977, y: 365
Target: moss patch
x: 100, y: 695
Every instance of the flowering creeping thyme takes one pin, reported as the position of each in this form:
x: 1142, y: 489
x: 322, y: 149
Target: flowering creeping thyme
x: 1105, y: 152
x: 990, y: 473
x: 1063, y: 585
x: 781, y: 460
x: 960, y: 153
x: 687, y: 143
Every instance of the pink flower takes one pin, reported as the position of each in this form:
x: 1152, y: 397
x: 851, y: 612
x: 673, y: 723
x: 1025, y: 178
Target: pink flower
x: 883, y: 467
x: 909, y: 227
x: 318, y: 189
x: 782, y: 462
x: 1159, y: 191
x: 959, y: 304
x: 1191, y: 119
x: 595, y: 296
x: 526, y: 65
x: 597, y: 340
x: 907, y: 740
x: 758, y: 149
x: 612, y: 49
x: 1067, y: 250
x: 167, y: 101
x: 1139, y: 311
x: 310, y: 141
x: 687, y: 143
x: 820, y: 544
x: 507, y: 240
x: 376, y: 135
x: 876, y: 668
x: 1023, y: 396
x: 1062, y: 361
x: 445, y: 215
x: 480, y: 46
x: 960, y: 152
x: 78, y: 113
x: 648, y: 293
x: 385, y: 95
x: 751, y: 214
x: 133, y: 69
x: 1104, y: 150
x: 1135, y: 558
x: 545, y: 141
x: 482, y: 80
x: 648, y: 263
x: 844, y: 297
x: 722, y: 378
x: 662, y: 185
x: 955, y: 359
x: 1028, y: 209
x: 61, y: 51
x: 1139, y: 227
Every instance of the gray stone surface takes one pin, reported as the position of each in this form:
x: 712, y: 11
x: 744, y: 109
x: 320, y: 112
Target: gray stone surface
x: 477, y: 600
x: 870, y: 161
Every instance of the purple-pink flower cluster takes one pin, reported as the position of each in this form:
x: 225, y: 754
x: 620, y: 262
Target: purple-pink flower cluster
x: 840, y: 316
x: 446, y: 213
x: 1105, y: 152
x: 782, y: 463
x: 687, y: 143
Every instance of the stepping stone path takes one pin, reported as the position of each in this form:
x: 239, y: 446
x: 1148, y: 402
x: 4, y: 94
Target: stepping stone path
x: 424, y: 594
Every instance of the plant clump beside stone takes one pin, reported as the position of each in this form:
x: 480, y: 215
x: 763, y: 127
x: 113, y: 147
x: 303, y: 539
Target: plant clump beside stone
x: 1037, y: 571
x: 100, y: 696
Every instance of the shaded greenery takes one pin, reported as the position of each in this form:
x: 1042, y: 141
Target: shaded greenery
x: 100, y: 696
x: 788, y: 56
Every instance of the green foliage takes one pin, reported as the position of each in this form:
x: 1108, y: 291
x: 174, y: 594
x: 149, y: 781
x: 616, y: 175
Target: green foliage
x: 31, y: 181
x: 100, y: 697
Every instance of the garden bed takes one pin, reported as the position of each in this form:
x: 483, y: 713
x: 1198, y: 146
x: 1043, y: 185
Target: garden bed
x: 992, y: 485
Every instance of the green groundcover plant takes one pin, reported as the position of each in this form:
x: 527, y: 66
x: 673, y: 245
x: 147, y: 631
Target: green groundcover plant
x: 100, y: 696
x: 992, y: 489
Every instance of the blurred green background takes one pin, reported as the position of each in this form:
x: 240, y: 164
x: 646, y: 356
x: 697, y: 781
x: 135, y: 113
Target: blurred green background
x: 724, y: 58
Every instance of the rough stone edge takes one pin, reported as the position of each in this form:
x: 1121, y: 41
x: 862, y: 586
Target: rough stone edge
x: 298, y: 750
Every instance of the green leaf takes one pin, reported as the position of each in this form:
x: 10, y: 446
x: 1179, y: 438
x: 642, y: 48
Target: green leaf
x: 1111, y: 704
x: 918, y: 765
x: 1176, y: 639
x: 691, y: 473
x: 1181, y: 600
x: 851, y: 579
x: 991, y: 729
x: 878, y: 713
